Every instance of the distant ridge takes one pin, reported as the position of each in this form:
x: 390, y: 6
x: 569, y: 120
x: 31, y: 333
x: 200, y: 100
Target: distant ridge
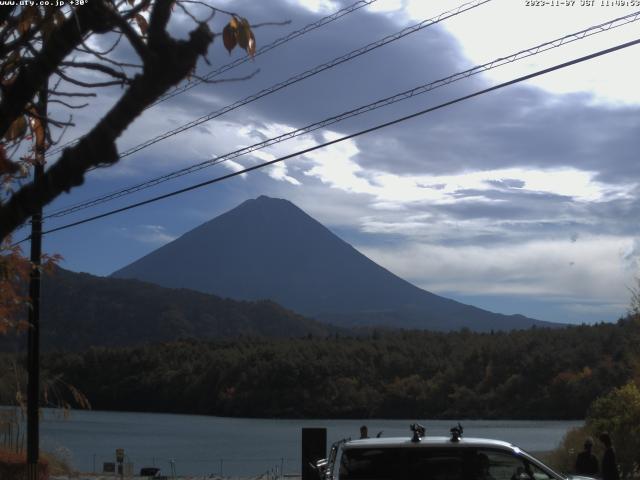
x: 268, y: 248
x: 81, y: 311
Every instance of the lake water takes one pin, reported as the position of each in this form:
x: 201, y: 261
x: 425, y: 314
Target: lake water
x: 200, y: 445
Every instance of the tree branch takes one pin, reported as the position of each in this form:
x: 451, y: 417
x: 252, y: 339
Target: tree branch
x: 97, y: 67
x: 91, y: 17
x: 80, y: 83
x: 170, y: 61
x: 68, y: 105
x: 71, y: 94
x: 134, y: 39
x: 5, y: 12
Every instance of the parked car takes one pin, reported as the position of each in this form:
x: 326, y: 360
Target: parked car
x: 422, y: 457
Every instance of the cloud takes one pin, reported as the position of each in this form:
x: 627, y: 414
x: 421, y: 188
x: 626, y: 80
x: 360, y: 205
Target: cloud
x: 235, y: 167
x: 318, y: 6
x: 526, y: 192
x: 591, y: 269
x: 336, y: 166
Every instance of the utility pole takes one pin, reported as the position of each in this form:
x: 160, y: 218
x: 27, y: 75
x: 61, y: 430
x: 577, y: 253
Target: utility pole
x: 33, y: 347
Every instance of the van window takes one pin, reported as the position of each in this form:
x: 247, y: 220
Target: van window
x: 499, y: 465
x: 404, y: 463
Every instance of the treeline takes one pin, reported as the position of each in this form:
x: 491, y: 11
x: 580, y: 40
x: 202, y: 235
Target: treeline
x: 537, y: 373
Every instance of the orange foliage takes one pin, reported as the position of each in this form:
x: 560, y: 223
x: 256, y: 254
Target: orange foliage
x: 14, y: 274
x: 14, y: 465
x: 14, y: 277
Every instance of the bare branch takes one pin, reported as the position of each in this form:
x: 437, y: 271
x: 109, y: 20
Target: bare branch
x: 129, y: 14
x: 68, y: 105
x: 97, y: 67
x: 134, y: 39
x: 191, y: 16
x: 59, y: 123
x: 169, y: 62
x: 93, y: 51
x: 71, y: 94
x: 91, y: 17
x: 80, y: 83
x: 49, y: 120
x: 64, y: 130
x: 197, y: 2
x: 102, y: 56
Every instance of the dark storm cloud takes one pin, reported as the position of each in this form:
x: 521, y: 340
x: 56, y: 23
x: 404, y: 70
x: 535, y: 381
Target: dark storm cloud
x: 361, y: 80
x: 497, y: 132
x: 519, y: 126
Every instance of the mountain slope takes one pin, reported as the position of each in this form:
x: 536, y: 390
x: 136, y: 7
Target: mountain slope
x: 270, y: 249
x: 81, y: 310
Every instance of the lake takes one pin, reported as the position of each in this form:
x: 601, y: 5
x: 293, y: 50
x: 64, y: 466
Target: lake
x: 200, y: 445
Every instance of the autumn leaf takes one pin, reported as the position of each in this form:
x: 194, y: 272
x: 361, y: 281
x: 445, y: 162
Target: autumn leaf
x: 142, y: 23
x: 238, y: 32
x: 38, y: 130
x: 251, y: 48
x: 7, y: 82
x: 7, y: 167
x: 48, y: 26
x: 17, y: 129
x: 59, y: 17
x: 30, y: 16
x: 229, y: 38
x: 244, y: 34
x: 12, y: 62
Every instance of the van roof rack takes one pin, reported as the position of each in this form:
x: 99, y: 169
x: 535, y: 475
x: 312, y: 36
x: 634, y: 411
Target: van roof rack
x: 418, y: 432
x: 456, y: 433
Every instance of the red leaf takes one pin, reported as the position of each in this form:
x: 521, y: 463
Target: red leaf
x: 229, y: 37
x: 17, y: 129
x: 142, y: 23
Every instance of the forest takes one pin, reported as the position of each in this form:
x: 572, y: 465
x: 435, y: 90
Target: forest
x: 527, y: 374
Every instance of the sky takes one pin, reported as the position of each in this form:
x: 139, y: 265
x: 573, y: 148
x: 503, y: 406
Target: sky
x: 522, y: 200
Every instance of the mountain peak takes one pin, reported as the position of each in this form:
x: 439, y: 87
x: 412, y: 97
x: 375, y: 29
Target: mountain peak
x: 263, y: 205
x: 268, y: 248
x: 265, y: 198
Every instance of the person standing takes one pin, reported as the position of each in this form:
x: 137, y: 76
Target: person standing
x: 364, y: 432
x: 586, y: 462
x: 609, y: 465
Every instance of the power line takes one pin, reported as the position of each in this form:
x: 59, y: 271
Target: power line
x: 297, y: 33
x: 355, y: 112
x: 308, y: 73
x: 231, y: 65
x: 347, y: 137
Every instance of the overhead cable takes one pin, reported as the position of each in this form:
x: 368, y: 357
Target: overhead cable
x: 306, y: 74
x: 354, y: 112
x: 231, y: 65
x: 346, y: 137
